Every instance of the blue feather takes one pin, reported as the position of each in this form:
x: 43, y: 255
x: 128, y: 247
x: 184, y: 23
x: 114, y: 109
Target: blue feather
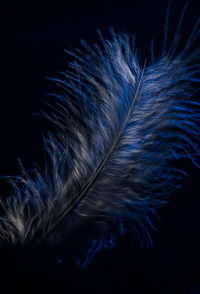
x: 119, y: 126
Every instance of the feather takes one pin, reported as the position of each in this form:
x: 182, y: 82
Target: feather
x: 119, y: 127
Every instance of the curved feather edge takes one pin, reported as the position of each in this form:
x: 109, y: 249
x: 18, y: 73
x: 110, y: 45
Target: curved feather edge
x: 110, y: 164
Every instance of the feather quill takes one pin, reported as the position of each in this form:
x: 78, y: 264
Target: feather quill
x: 119, y: 127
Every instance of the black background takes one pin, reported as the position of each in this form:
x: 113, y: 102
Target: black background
x: 34, y: 36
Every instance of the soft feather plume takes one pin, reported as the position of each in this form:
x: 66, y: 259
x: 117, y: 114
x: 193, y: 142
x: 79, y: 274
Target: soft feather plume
x: 119, y: 126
